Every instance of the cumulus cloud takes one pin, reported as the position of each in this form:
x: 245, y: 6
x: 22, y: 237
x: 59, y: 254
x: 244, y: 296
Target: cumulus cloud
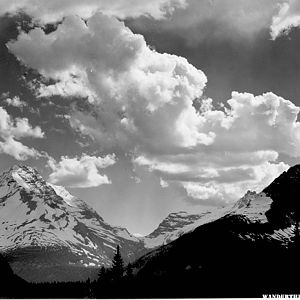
x: 11, y: 131
x: 137, y: 94
x: 249, y: 134
x: 52, y: 11
x: 287, y: 18
x: 254, y: 178
x: 142, y: 102
x: 80, y: 172
x: 15, y: 101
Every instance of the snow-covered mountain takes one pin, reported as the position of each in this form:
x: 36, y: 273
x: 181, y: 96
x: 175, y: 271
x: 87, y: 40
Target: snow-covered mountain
x: 249, y: 248
x: 253, y: 207
x: 172, y: 227
x: 48, y: 234
x: 42, y: 226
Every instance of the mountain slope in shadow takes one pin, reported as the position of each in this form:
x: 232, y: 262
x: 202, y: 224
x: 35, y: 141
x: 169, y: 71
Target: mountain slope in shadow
x: 11, y: 286
x: 251, y: 250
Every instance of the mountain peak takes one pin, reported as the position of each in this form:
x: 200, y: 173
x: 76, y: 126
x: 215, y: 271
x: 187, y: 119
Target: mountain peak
x: 284, y: 191
x: 24, y: 177
x: 22, y: 168
x: 286, y: 184
x: 170, y: 228
x: 245, y: 200
x: 38, y: 217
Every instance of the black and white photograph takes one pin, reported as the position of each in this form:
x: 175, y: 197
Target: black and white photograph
x: 149, y: 149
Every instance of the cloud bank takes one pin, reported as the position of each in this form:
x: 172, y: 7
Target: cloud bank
x: 142, y: 102
x: 11, y: 131
x: 214, y: 20
x: 80, y: 172
x: 55, y: 10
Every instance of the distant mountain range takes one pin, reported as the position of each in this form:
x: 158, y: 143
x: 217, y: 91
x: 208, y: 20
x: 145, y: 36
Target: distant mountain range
x: 47, y: 234
x: 45, y: 231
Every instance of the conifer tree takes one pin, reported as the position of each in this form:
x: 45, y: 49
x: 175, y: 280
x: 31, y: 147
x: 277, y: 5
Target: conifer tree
x: 129, y: 272
x: 117, y: 265
x: 101, y: 273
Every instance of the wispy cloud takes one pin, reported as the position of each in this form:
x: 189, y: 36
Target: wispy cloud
x: 52, y: 11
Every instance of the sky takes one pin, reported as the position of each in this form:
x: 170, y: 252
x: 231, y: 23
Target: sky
x: 143, y: 108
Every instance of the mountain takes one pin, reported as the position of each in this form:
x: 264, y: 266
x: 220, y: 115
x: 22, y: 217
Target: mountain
x: 172, y: 227
x: 47, y: 234
x: 45, y: 231
x: 284, y: 190
x: 246, y: 250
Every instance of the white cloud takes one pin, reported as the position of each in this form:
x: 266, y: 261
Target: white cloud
x: 11, y: 130
x: 287, y: 18
x: 249, y: 134
x: 15, y: 101
x: 80, y: 172
x: 163, y: 183
x: 262, y: 176
x: 141, y: 102
x: 52, y: 11
x: 136, y: 93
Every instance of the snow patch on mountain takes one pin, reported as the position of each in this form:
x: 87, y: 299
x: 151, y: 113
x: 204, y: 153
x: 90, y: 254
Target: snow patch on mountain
x: 63, y: 193
x: 20, y: 181
x: 37, y: 214
x: 177, y: 224
x: 253, y: 206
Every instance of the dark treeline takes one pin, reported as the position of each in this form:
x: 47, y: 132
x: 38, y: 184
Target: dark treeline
x: 114, y: 282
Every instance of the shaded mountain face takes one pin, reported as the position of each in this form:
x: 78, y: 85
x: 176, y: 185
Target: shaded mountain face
x: 284, y: 192
x: 9, y: 282
x: 45, y: 232
x: 246, y: 250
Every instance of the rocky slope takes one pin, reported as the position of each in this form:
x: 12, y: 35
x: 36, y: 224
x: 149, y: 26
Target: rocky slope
x: 43, y: 227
